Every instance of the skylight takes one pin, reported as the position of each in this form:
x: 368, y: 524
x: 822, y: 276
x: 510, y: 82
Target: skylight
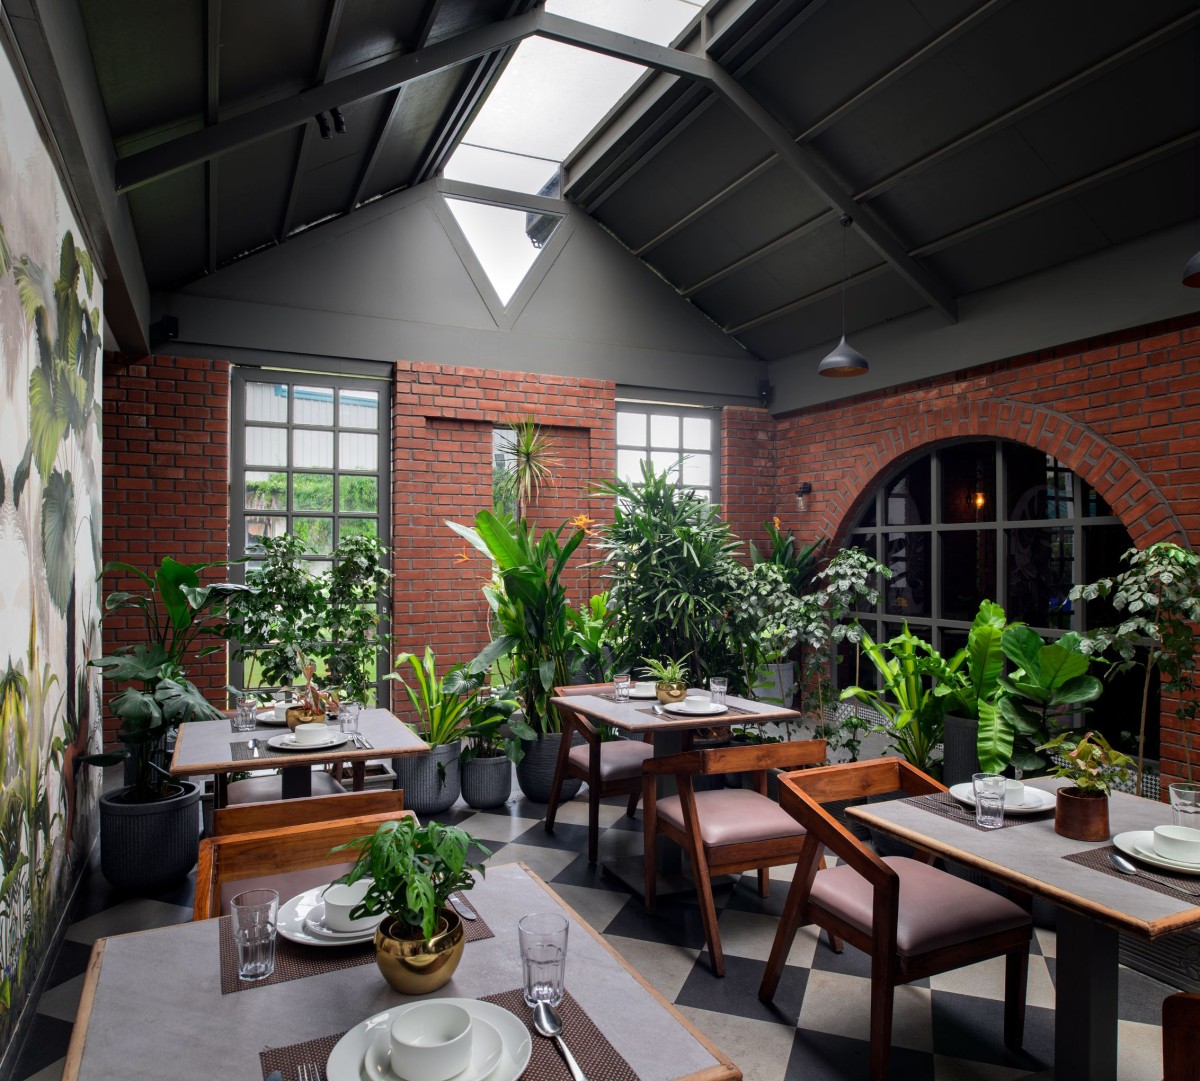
x: 550, y: 96
x: 505, y: 241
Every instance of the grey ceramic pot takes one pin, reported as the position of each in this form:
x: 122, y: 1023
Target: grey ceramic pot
x: 146, y: 847
x: 429, y: 790
x: 486, y: 782
x: 535, y: 772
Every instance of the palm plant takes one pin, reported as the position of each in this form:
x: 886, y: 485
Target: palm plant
x: 530, y: 462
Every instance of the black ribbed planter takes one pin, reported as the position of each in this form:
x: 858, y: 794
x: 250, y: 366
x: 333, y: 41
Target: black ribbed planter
x: 146, y: 847
x: 486, y: 782
x: 535, y: 772
x: 960, y: 755
x: 427, y: 789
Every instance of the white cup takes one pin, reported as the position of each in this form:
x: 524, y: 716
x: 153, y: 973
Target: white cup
x: 340, y: 900
x: 430, y: 1042
x: 1014, y: 793
x: 281, y: 709
x: 311, y: 733
x: 1180, y: 843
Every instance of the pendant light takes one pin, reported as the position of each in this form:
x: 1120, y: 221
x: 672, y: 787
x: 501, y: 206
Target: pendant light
x: 845, y: 360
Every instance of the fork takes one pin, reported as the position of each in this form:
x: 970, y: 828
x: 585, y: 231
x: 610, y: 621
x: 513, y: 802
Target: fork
x: 309, y: 1071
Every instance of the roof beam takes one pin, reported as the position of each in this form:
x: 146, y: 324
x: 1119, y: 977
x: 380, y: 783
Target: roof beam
x: 824, y: 293
x: 212, y: 115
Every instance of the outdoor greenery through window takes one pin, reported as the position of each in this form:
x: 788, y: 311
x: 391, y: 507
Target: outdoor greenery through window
x: 1000, y: 521
x: 682, y: 441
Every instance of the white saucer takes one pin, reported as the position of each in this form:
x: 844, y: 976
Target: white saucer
x: 291, y: 922
x: 351, y: 1058
x: 267, y: 716
x: 695, y: 707
x: 314, y: 924
x: 1140, y: 845
x: 287, y: 742
x: 486, y: 1049
x: 1036, y: 799
x: 642, y: 690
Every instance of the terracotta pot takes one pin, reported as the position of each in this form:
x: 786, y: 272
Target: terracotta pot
x: 671, y: 692
x: 1081, y: 817
x: 416, y: 966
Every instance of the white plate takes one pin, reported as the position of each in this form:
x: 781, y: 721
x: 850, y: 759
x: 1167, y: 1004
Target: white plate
x: 349, y: 1059
x: 267, y: 716
x: 1140, y: 845
x: 1036, y: 799
x: 291, y: 922
x: 287, y: 742
x: 314, y: 924
x: 695, y: 707
x: 642, y: 690
x: 486, y: 1049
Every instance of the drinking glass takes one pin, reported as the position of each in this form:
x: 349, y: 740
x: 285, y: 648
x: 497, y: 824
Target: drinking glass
x: 245, y: 717
x: 989, y: 799
x: 717, y: 688
x: 347, y: 715
x: 1185, y: 804
x: 543, y: 939
x: 621, y: 686
x: 253, y: 918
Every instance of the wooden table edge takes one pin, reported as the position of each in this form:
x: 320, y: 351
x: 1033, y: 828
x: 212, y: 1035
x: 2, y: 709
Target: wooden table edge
x: 83, y: 1014
x: 1119, y: 921
x: 725, y: 1070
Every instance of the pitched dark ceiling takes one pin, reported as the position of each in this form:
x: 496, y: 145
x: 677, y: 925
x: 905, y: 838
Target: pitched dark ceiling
x: 973, y: 141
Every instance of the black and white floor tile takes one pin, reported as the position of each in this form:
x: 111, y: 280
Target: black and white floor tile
x: 947, y: 1028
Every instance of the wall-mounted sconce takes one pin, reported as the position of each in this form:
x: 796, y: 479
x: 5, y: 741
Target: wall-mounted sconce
x: 980, y: 500
x: 802, y: 493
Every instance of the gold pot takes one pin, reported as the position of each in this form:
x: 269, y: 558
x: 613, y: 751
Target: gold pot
x: 296, y: 716
x: 416, y: 966
x: 675, y: 691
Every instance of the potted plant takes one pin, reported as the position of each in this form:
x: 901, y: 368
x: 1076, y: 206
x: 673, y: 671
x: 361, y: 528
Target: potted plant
x: 671, y: 678
x: 413, y: 870
x: 1092, y: 767
x: 492, y: 734
x: 432, y: 782
x: 150, y: 829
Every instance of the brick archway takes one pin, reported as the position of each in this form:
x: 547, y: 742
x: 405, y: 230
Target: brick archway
x: 1135, y: 500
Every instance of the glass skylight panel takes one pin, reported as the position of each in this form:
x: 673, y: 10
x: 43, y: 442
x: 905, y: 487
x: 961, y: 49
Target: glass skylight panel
x: 505, y: 241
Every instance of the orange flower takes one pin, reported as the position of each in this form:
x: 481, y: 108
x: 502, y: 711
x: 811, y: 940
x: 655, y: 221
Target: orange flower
x: 462, y: 556
x: 777, y: 523
x: 582, y: 521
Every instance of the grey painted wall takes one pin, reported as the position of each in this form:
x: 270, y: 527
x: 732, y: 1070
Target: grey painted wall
x: 1124, y: 286
x: 389, y: 283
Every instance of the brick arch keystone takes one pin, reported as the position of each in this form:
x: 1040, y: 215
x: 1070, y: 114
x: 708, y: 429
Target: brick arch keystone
x: 1135, y: 500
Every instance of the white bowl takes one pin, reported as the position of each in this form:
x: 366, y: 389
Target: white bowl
x: 1180, y: 843
x: 340, y: 900
x: 311, y: 733
x: 431, y: 1042
x: 1014, y: 793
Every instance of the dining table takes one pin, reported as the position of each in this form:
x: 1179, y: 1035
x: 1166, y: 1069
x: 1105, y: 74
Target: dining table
x: 1095, y: 902
x: 213, y: 747
x: 156, y: 1004
x: 670, y: 733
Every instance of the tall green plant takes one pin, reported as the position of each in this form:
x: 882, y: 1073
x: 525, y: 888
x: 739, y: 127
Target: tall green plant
x: 530, y: 610
x: 799, y: 563
x: 445, y: 705
x: 357, y: 589
x: 1159, y: 595
x: 530, y: 462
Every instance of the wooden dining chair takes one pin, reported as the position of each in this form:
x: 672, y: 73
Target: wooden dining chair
x: 912, y: 919
x: 278, y: 814
x: 1181, y: 1037
x: 289, y: 858
x: 610, y: 767
x: 723, y: 830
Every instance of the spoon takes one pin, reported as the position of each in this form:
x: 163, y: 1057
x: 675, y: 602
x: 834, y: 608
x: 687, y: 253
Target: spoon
x: 548, y: 1023
x: 1122, y: 864
x: 461, y: 908
x: 658, y: 709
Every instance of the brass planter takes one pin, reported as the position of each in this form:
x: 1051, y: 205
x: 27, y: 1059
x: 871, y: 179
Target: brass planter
x: 1081, y: 817
x: 297, y: 716
x: 671, y: 692
x: 416, y: 966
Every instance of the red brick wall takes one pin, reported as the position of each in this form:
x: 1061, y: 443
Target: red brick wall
x: 1123, y: 411
x: 441, y: 452
x: 750, y: 485
x: 166, y: 480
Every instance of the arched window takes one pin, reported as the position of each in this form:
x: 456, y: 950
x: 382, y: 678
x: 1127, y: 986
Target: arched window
x: 994, y: 520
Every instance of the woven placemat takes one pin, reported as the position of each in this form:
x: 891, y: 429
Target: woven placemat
x: 944, y: 804
x: 294, y: 961
x: 288, y: 1060
x: 1181, y: 887
x: 255, y: 750
x: 597, y: 1057
x: 712, y: 718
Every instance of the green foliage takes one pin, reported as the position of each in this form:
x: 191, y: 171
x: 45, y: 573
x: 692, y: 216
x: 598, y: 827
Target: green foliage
x: 666, y: 671
x: 356, y: 586
x: 590, y: 636
x: 799, y: 564
x: 675, y: 580
x: 909, y: 671
x: 444, y: 706
x: 1089, y: 763
x: 530, y: 610
x: 529, y: 454
x: 1159, y: 594
x: 494, y: 726
x: 1048, y: 682
x: 414, y: 870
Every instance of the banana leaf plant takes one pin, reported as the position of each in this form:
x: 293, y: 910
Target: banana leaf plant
x: 910, y: 670
x: 176, y: 610
x: 530, y: 610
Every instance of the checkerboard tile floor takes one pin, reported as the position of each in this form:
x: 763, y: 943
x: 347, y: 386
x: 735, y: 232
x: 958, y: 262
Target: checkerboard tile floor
x: 946, y: 1029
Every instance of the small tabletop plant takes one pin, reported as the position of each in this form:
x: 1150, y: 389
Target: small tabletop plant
x: 1089, y: 763
x: 413, y: 869
x: 666, y: 671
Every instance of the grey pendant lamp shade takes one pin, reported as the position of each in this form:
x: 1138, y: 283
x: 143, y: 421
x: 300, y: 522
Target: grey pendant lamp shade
x: 1191, y: 272
x: 845, y: 360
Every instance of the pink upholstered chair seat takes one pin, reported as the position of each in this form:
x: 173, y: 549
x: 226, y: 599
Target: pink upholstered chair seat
x: 937, y: 910
x: 620, y: 759
x: 731, y: 816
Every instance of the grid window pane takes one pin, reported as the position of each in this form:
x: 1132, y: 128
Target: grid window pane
x: 662, y: 436
x: 358, y: 494
x: 969, y: 484
x: 312, y: 491
x: 358, y: 409
x: 312, y: 450
x: 906, y: 501
x: 267, y: 402
x: 357, y: 527
x: 631, y: 428
x: 697, y: 433
x: 358, y: 450
x: 261, y: 526
x: 1040, y: 574
x: 968, y: 567
x: 318, y: 532
x: 266, y: 446
x: 266, y: 491
x: 313, y: 405
x: 666, y: 461
x: 664, y: 430
x: 629, y: 465
x: 697, y: 470
x: 908, y: 589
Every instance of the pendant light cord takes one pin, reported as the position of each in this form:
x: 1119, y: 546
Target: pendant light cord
x: 847, y: 221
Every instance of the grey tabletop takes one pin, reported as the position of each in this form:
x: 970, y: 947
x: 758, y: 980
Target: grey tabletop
x: 634, y: 715
x: 153, y: 994
x: 1030, y: 856
x: 205, y: 746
